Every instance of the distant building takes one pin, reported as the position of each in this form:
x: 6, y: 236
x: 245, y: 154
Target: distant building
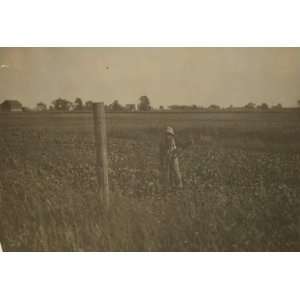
x: 130, y: 107
x: 11, y: 106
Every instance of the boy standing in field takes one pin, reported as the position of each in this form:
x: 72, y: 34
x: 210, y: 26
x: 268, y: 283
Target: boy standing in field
x: 169, y: 163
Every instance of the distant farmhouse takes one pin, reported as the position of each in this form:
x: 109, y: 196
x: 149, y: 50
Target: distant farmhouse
x: 11, y: 106
x: 130, y: 107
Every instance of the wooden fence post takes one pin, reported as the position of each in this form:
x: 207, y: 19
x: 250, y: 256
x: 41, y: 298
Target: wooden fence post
x: 101, y: 152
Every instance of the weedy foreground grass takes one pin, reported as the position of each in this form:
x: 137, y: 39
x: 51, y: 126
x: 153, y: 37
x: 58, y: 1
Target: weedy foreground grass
x: 241, y: 190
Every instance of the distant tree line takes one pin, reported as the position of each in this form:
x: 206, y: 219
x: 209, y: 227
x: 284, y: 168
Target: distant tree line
x: 144, y: 104
x: 214, y: 107
x: 78, y: 105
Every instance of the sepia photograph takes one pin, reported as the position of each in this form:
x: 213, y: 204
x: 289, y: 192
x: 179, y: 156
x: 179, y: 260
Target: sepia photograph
x: 138, y: 149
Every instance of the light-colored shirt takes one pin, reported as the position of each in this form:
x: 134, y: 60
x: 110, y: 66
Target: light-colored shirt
x: 168, y: 148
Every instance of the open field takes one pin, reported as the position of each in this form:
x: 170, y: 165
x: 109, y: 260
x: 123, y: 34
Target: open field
x: 241, y: 183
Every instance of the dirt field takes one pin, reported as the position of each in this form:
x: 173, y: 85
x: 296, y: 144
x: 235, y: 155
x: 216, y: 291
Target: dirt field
x: 241, y: 176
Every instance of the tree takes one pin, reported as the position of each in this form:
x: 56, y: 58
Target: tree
x: 62, y: 104
x: 214, y: 106
x: 78, y: 104
x: 298, y: 103
x: 263, y: 106
x: 144, y: 104
x: 250, y: 105
x: 116, y: 106
x: 180, y: 107
x: 89, y: 105
x: 161, y: 107
x: 41, y: 106
x: 277, y: 106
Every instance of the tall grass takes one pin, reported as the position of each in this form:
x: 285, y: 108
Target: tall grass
x: 241, y: 191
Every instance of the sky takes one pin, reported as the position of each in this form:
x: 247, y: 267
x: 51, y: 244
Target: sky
x: 201, y: 76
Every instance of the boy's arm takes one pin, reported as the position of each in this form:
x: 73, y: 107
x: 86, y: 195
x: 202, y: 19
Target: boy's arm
x: 172, y: 150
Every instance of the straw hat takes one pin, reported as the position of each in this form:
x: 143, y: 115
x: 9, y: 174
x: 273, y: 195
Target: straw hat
x: 170, y: 130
